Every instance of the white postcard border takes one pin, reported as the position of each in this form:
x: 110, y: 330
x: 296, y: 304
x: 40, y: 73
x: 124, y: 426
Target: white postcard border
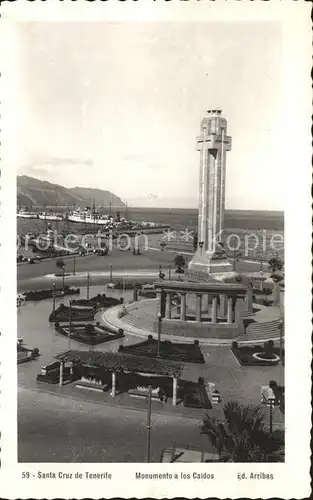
x: 291, y: 478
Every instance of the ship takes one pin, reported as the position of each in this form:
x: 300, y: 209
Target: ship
x: 49, y: 216
x: 89, y: 216
x: 24, y: 214
x: 27, y: 215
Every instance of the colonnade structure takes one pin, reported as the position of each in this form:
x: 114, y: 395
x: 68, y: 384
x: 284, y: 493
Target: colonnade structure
x: 97, y: 365
x: 213, y: 143
x: 202, y: 310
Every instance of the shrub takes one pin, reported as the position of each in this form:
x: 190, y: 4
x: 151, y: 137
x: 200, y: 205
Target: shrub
x: 267, y: 302
x: 179, y: 262
x: 277, y: 277
x: 89, y: 328
x: 234, y: 344
x: 272, y: 384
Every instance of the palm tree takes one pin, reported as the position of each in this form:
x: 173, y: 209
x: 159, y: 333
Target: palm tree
x: 242, y: 437
x: 275, y: 264
x: 61, y: 265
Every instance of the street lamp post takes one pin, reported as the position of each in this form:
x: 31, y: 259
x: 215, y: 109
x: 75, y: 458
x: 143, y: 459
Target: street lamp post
x: 236, y: 257
x: 88, y: 285
x: 159, y: 331
x: 271, y: 402
x: 261, y: 264
x: 234, y: 260
x: 63, y: 277
x: 111, y: 277
x: 169, y: 271
x: 74, y: 265
x: 53, y: 298
x: 281, y: 324
x: 69, y: 324
x: 148, y: 426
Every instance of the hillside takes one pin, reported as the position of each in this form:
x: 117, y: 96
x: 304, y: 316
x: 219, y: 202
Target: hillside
x: 34, y: 192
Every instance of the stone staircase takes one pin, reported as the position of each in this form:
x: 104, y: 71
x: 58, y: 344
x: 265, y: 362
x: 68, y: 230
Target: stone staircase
x: 262, y: 331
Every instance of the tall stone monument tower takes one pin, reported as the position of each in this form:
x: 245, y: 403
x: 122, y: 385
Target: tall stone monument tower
x: 213, y: 143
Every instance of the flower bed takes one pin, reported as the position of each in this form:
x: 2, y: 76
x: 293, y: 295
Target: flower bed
x: 189, y: 353
x: 48, y: 293
x: 99, y: 301
x: 245, y: 356
x: 196, y: 397
x: 51, y: 374
x: 25, y: 353
x: 62, y: 313
x: 89, y: 334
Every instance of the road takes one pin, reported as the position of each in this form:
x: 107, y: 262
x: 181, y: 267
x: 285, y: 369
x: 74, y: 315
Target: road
x: 54, y: 429
x: 30, y: 276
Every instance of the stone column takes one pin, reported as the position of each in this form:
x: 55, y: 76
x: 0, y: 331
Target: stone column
x: 174, y: 391
x: 61, y: 373
x: 204, y: 302
x: 168, y: 306
x: 198, y: 307
x: 135, y: 294
x: 113, y: 393
x: 222, y: 308
x: 229, y: 310
x: 249, y: 299
x: 214, y: 310
x: 183, y: 306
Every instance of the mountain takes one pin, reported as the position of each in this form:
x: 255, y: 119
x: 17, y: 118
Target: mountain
x: 32, y: 192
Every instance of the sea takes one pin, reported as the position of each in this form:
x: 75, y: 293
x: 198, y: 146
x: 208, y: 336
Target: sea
x: 249, y: 232
x: 176, y: 218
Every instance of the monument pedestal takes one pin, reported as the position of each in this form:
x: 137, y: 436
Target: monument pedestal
x: 204, y: 263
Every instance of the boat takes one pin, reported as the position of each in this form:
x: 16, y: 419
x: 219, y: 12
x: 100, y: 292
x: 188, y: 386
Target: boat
x: 49, y: 216
x: 88, y: 216
x: 27, y: 215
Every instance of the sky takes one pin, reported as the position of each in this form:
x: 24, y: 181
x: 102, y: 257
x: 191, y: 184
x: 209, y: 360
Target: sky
x: 118, y: 106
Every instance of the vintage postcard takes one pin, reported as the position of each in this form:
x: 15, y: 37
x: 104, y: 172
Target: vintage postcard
x: 155, y: 249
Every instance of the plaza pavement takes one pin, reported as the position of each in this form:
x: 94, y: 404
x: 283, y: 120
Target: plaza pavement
x: 61, y: 429
x: 67, y: 424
